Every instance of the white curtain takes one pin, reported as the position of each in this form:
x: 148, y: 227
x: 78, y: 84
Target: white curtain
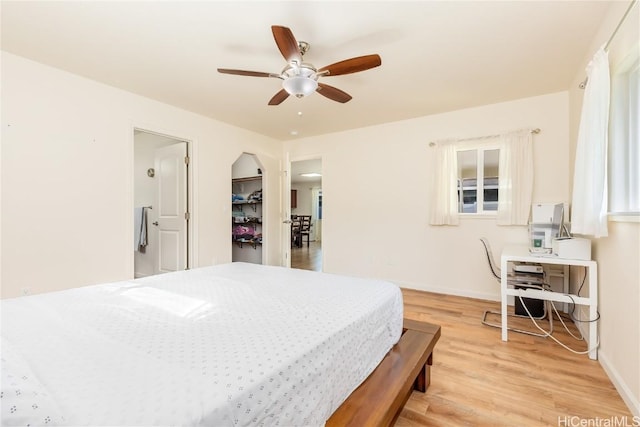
x: 515, y: 178
x: 444, y: 185
x: 589, y: 205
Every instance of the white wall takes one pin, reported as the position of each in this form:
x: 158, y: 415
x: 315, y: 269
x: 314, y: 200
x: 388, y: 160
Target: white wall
x: 304, y: 197
x: 67, y: 178
x: 375, y: 195
x: 245, y: 166
x: 618, y: 254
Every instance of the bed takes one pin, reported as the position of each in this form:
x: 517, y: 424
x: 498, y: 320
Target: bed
x: 227, y: 345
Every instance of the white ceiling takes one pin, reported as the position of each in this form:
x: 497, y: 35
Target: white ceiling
x: 437, y: 56
x: 306, y: 166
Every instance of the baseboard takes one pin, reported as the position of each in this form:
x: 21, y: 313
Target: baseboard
x: 633, y: 402
x: 449, y: 291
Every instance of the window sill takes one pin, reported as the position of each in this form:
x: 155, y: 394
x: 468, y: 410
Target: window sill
x: 477, y: 215
x: 630, y: 217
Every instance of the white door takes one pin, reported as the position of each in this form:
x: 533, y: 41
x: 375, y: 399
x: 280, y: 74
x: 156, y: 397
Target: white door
x: 171, y: 199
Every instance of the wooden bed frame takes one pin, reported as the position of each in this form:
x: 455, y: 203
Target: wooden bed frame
x: 380, y: 398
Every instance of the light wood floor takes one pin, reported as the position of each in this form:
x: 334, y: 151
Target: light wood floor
x: 307, y: 258
x: 479, y: 380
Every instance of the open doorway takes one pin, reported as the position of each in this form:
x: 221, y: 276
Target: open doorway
x: 306, y: 214
x: 161, y: 194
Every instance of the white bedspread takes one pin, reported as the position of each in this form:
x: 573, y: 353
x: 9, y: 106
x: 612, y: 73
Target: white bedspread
x: 235, y: 344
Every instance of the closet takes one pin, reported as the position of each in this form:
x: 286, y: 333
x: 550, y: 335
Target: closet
x: 246, y: 210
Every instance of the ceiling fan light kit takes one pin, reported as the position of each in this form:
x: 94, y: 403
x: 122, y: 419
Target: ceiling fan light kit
x: 300, y: 86
x: 301, y: 79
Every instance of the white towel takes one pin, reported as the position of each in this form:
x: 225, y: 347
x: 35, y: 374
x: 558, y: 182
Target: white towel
x: 140, y: 229
x: 137, y: 222
x: 142, y: 247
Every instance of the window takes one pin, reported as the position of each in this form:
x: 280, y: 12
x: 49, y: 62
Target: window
x: 624, y: 131
x: 506, y: 164
x: 478, y: 180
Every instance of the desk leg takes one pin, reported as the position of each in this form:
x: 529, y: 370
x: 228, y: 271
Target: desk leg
x: 503, y: 297
x: 593, y: 310
x: 565, y: 285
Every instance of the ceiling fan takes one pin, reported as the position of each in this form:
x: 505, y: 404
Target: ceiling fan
x: 301, y: 79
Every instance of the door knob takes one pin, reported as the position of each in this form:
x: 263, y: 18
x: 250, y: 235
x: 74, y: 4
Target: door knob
x: 155, y: 223
x: 287, y: 221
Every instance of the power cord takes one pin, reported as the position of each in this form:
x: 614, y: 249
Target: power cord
x: 547, y: 334
x: 573, y: 308
x: 573, y: 303
x: 581, y: 337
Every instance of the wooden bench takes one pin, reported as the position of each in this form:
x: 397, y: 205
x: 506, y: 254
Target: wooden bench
x: 380, y: 398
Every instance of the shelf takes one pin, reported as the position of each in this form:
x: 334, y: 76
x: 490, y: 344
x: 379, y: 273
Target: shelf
x: 247, y: 179
x: 248, y: 221
x: 247, y: 217
x: 253, y: 203
x: 253, y: 243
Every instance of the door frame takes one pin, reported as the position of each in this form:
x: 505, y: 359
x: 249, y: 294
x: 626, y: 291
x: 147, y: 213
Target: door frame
x: 191, y: 246
x: 285, y: 221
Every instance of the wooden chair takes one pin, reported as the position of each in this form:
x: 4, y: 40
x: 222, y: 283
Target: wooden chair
x: 295, y: 231
x: 305, y: 227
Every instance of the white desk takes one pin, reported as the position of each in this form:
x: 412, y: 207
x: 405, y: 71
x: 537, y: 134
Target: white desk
x: 521, y: 254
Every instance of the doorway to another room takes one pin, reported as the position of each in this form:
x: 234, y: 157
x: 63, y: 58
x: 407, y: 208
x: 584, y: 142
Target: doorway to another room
x: 161, y: 215
x: 306, y: 214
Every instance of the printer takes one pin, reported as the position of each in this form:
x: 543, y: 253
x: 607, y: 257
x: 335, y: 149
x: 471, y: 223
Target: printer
x: 572, y: 248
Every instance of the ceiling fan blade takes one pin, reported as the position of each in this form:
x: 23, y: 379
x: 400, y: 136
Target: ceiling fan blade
x: 247, y: 73
x: 352, y: 65
x: 279, y: 97
x: 333, y: 93
x: 286, y: 43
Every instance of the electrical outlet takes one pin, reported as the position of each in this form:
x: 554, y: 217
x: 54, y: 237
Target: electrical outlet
x: 26, y: 291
